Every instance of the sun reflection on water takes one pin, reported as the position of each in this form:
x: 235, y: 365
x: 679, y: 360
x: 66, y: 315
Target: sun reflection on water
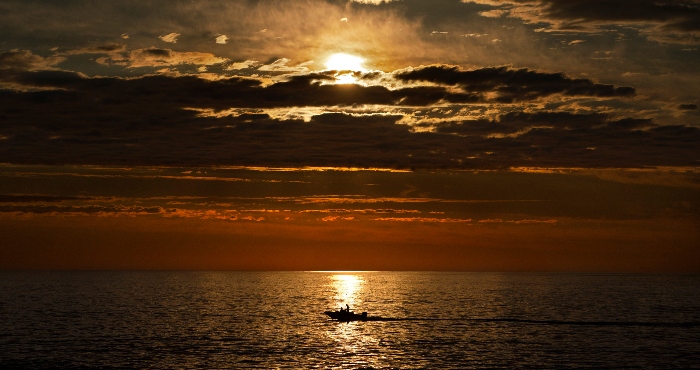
x: 348, y: 288
x: 352, y: 339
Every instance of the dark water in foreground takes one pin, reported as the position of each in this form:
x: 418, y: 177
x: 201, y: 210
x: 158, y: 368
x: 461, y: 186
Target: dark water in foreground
x: 169, y: 320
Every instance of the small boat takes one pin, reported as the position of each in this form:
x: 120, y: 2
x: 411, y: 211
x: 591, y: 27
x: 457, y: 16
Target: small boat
x: 346, y: 315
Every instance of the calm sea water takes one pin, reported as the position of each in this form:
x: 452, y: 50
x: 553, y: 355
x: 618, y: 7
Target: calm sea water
x: 268, y: 320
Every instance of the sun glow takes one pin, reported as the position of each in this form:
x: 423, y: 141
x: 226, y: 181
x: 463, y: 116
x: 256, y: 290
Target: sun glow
x: 345, y: 65
x: 345, y: 62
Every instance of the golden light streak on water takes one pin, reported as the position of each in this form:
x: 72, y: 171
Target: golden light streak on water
x: 348, y: 288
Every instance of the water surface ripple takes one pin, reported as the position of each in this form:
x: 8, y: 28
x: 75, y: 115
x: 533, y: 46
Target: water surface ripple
x: 275, y: 320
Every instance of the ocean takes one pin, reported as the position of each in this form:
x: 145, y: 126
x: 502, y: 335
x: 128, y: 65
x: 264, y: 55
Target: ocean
x: 276, y: 320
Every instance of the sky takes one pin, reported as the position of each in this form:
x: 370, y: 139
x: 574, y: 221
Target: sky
x: 472, y: 135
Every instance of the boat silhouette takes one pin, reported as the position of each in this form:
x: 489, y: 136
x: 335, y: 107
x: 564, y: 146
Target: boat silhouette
x: 347, y: 316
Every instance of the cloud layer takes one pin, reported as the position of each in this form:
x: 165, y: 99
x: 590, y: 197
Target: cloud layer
x: 475, y: 84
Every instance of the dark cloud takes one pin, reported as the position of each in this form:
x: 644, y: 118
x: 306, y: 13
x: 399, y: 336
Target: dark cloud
x: 15, y: 198
x: 158, y: 52
x: 620, y: 9
x: 688, y: 107
x: 511, y: 123
x: 79, y: 210
x: 26, y: 60
x: 508, y: 85
x: 108, y: 48
x: 512, y: 84
x: 561, y: 122
x: 670, y: 17
x: 474, y: 127
x: 191, y: 91
x: 678, y: 14
x: 67, y: 117
x: 138, y: 126
x: 432, y: 13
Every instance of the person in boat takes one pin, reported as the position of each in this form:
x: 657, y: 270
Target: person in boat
x: 347, y: 308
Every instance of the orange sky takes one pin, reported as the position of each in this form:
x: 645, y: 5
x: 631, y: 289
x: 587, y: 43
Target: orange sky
x: 79, y: 242
x: 87, y: 217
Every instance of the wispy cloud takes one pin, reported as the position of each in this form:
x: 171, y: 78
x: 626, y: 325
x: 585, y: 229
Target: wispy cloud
x: 281, y: 65
x: 154, y: 57
x: 171, y: 37
x: 26, y: 60
x: 278, y: 196
x: 222, y: 39
x: 665, y: 21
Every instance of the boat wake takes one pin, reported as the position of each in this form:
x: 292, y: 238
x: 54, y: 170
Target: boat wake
x: 592, y: 323
x: 346, y: 317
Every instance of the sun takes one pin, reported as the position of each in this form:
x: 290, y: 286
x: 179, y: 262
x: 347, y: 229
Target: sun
x: 345, y: 65
x: 345, y: 62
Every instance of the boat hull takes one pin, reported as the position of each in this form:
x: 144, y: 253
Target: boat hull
x: 347, y: 316
x: 351, y: 316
